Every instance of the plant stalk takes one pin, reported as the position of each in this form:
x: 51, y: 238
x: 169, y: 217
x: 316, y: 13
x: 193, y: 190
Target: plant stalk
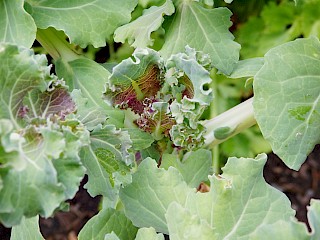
x: 56, y: 45
x: 232, y: 122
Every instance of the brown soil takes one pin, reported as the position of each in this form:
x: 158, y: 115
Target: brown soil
x: 298, y: 186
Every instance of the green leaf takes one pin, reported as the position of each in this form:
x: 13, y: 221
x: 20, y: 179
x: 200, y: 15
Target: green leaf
x: 40, y: 166
x: 36, y: 185
x: 238, y: 203
x: 152, y: 189
x: 84, y: 22
x: 111, y: 236
x: 148, y: 233
x: 56, y: 101
x: 108, y: 221
x: 140, y: 140
x: 194, y: 168
x: 20, y: 72
x: 138, y: 31
x: 28, y: 229
x: 183, y: 225
x: 16, y: 25
x: 194, y: 71
x: 135, y: 79
x: 314, y: 218
x: 89, y: 77
x: 210, y: 34
x: 247, y: 68
x: 86, y: 75
x: 105, y: 160
x: 286, y: 101
x: 88, y: 113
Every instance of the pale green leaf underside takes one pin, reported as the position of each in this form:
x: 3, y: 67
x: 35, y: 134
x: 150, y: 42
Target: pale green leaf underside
x: 89, y: 77
x: 152, y: 190
x: 194, y: 168
x: 16, y: 25
x: 287, y: 99
x: 138, y: 32
x: 84, y: 21
x: 28, y: 229
x: 108, y: 221
x: 86, y: 75
x: 148, y: 233
x: 247, y: 68
x: 238, y: 206
x: 205, y: 30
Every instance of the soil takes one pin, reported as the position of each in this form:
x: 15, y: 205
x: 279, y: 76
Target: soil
x: 300, y: 187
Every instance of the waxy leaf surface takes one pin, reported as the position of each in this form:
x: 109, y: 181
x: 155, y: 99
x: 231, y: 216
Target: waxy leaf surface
x: 85, y: 21
x: 138, y: 32
x: 108, y: 221
x: 287, y: 99
x: 16, y: 25
x: 205, y: 30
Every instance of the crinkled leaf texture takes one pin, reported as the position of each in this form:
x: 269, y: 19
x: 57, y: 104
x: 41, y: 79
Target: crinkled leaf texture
x: 85, y: 21
x: 40, y: 166
x: 210, y: 34
x: 138, y: 31
x: 108, y: 221
x: 106, y: 160
x: 16, y: 25
x: 240, y: 204
x: 287, y: 99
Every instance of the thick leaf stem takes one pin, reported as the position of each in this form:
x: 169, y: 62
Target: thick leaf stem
x: 56, y: 45
x: 229, y: 123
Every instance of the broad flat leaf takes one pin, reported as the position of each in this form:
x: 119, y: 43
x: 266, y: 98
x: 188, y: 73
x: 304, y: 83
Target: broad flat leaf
x: 105, y: 160
x: 184, y: 225
x: 152, y: 189
x: 239, y: 201
x: 89, y: 77
x: 107, y: 221
x: 247, y: 68
x: 28, y: 229
x: 85, y: 21
x: 20, y: 72
x: 86, y: 75
x: 210, y: 34
x: 314, y: 218
x: 138, y: 32
x: 16, y: 25
x: 148, y: 233
x: 194, y: 168
x: 140, y: 140
x: 287, y: 99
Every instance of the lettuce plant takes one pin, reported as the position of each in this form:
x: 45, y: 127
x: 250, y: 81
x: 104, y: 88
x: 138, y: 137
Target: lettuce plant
x: 145, y: 129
